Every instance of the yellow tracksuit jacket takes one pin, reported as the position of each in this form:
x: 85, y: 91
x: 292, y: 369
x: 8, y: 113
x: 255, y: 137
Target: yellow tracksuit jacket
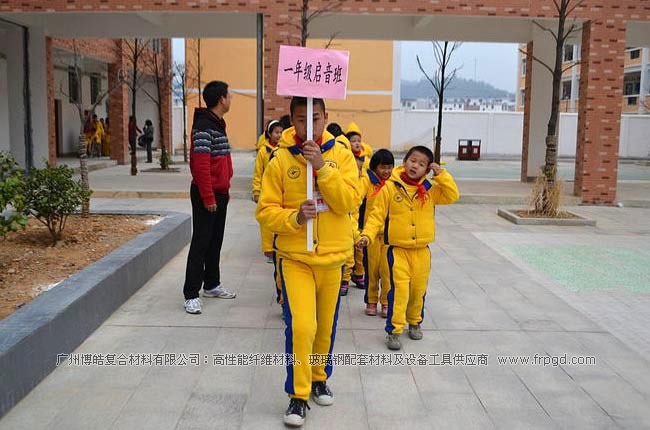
x: 310, y: 281
x: 409, y: 226
x: 261, y: 161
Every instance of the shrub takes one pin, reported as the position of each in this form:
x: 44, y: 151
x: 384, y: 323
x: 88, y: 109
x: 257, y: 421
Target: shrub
x: 52, y: 194
x: 165, y: 160
x: 12, y: 197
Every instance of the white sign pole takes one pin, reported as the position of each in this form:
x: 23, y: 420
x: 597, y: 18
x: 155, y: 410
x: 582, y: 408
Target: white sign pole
x: 310, y: 172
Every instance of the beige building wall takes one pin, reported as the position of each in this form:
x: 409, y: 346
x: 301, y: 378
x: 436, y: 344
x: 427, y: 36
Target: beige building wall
x: 368, y: 103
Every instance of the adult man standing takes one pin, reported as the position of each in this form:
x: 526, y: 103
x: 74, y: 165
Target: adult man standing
x: 211, y: 167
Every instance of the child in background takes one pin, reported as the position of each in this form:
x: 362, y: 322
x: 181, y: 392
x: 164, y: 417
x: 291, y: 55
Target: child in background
x: 353, y: 133
x: 405, y: 209
x: 272, y: 136
x: 372, y: 181
x: 310, y: 279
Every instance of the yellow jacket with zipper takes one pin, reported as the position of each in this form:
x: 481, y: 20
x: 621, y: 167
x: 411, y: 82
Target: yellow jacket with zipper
x: 261, y: 161
x: 284, y: 188
x: 408, y: 223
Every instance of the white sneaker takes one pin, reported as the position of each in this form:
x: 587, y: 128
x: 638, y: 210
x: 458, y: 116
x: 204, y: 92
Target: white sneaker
x: 193, y: 306
x: 219, y: 292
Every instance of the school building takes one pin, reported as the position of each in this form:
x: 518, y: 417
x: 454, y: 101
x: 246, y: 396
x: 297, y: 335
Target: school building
x: 606, y: 29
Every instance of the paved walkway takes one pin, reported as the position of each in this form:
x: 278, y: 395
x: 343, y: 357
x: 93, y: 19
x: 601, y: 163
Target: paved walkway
x: 485, y: 181
x: 490, y: 294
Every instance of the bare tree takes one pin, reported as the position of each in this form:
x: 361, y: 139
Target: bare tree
x: 194, y: 68
x: 180, y: 78
x: 548, y: 203
x: 440, y: 80
x: 77, y: 70
x: 134, y: 51
x: 306, y: 17
x: 162, y: 73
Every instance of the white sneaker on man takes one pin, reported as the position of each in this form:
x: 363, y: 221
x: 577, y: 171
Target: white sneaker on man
x: 193, y: 306
x: 219, y: 292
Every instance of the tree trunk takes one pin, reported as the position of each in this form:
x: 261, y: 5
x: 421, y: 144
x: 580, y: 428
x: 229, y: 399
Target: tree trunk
x: 134, y: 91
x: 436, y: 152
x: 184, y: 125
x: 304, y: 23
x: 83, y: 171
x: 198, y: 68
x: 550, y: 162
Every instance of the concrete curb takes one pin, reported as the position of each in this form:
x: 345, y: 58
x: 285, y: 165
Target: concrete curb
x: 59, y: 320
x: 516, y: 219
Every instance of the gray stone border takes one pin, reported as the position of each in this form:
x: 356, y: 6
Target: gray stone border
x: 59, y: 320
x: 516, y: 219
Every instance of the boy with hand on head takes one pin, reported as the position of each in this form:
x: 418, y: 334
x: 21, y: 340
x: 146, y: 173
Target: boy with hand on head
x: 405, y: 209
x: 310, y: 280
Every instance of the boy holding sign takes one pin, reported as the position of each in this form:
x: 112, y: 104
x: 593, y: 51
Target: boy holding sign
x: 310, y: 280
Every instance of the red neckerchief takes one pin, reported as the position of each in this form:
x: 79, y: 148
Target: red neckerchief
x: 357, y: 154
x: 378, y: 189
x: 275, y: 145
x: 301, y: 143
x: 421, y: 191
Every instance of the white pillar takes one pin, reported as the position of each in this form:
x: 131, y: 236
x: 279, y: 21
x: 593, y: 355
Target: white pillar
x: 643, y: 92
x: 11, y: 44
x: 574, y: 79
x: 4, y: 107
x: 396, y: 102
x: 540, y: 104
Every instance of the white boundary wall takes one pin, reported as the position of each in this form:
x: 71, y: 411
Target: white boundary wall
x: 501, y: 132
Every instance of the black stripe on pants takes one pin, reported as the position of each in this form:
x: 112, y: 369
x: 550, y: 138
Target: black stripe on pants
x: 205, y: 249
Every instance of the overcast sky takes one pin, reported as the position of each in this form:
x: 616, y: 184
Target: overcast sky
x: 495, y: 63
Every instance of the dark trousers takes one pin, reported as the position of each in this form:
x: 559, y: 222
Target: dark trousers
x: 205, y: 249
x: 149, y: 156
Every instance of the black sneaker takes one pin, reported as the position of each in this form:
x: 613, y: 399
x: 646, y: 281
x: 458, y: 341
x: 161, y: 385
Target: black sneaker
x: 295, y: 414
x: 321, y: 393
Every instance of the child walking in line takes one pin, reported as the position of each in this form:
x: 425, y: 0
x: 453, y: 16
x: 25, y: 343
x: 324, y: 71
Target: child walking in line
x: 372, y: 181
x: 272, y: 136
x: 310, y: 280
x: 353, y: 133
x: 405, y: 208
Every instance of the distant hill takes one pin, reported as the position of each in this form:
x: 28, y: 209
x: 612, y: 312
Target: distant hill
x: 459, y: 88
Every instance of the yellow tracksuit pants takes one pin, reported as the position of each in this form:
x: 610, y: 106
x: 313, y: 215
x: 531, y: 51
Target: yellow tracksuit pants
x: 358, y: 263
x: 347, y: 269
x: 374, y: 256
x: 408, y: 271
x: 311, y: 303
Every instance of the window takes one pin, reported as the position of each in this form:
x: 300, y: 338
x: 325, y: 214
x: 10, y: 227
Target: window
x: 568, y: 53
x: 631, y: 101
x: 566, y: 90
x: 74, y: 90
x: 523, y: 67
x: 95, y: 87
x: 632, y: 88
x: 155, y: 45
x: 522, y: 97
x: 635, y: 54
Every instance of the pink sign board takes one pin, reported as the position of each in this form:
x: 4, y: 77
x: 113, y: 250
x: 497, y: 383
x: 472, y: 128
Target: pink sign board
x: 311, y: 72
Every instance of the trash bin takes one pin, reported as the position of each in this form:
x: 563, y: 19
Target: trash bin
x: 469, y: 149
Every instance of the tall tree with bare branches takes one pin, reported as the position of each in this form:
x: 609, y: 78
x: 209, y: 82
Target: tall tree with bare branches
x: 134, y: 51
x: 160, y: 69
x: 548, y: 202
x: 77, y: 70
x: 307, y: 16
x: 180, y: 78
x: 440, y: 80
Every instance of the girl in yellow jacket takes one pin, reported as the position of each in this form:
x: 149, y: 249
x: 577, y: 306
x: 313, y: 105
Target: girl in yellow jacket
x: 310, y: 280
x: 272, y: 136
x: 404, y: 208
x: 362, y: 155
x: 372, y: 181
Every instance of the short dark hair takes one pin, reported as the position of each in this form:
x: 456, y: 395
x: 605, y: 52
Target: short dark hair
x: 421, y: 149
x: 285, y: 121
x: 213, y: 92
x: 302, y: 101
x: 334, y: 129
x: 352, y: 133
x: 382, y: 156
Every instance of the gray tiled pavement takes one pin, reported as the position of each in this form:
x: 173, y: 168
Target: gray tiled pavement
x: 482, y: 299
